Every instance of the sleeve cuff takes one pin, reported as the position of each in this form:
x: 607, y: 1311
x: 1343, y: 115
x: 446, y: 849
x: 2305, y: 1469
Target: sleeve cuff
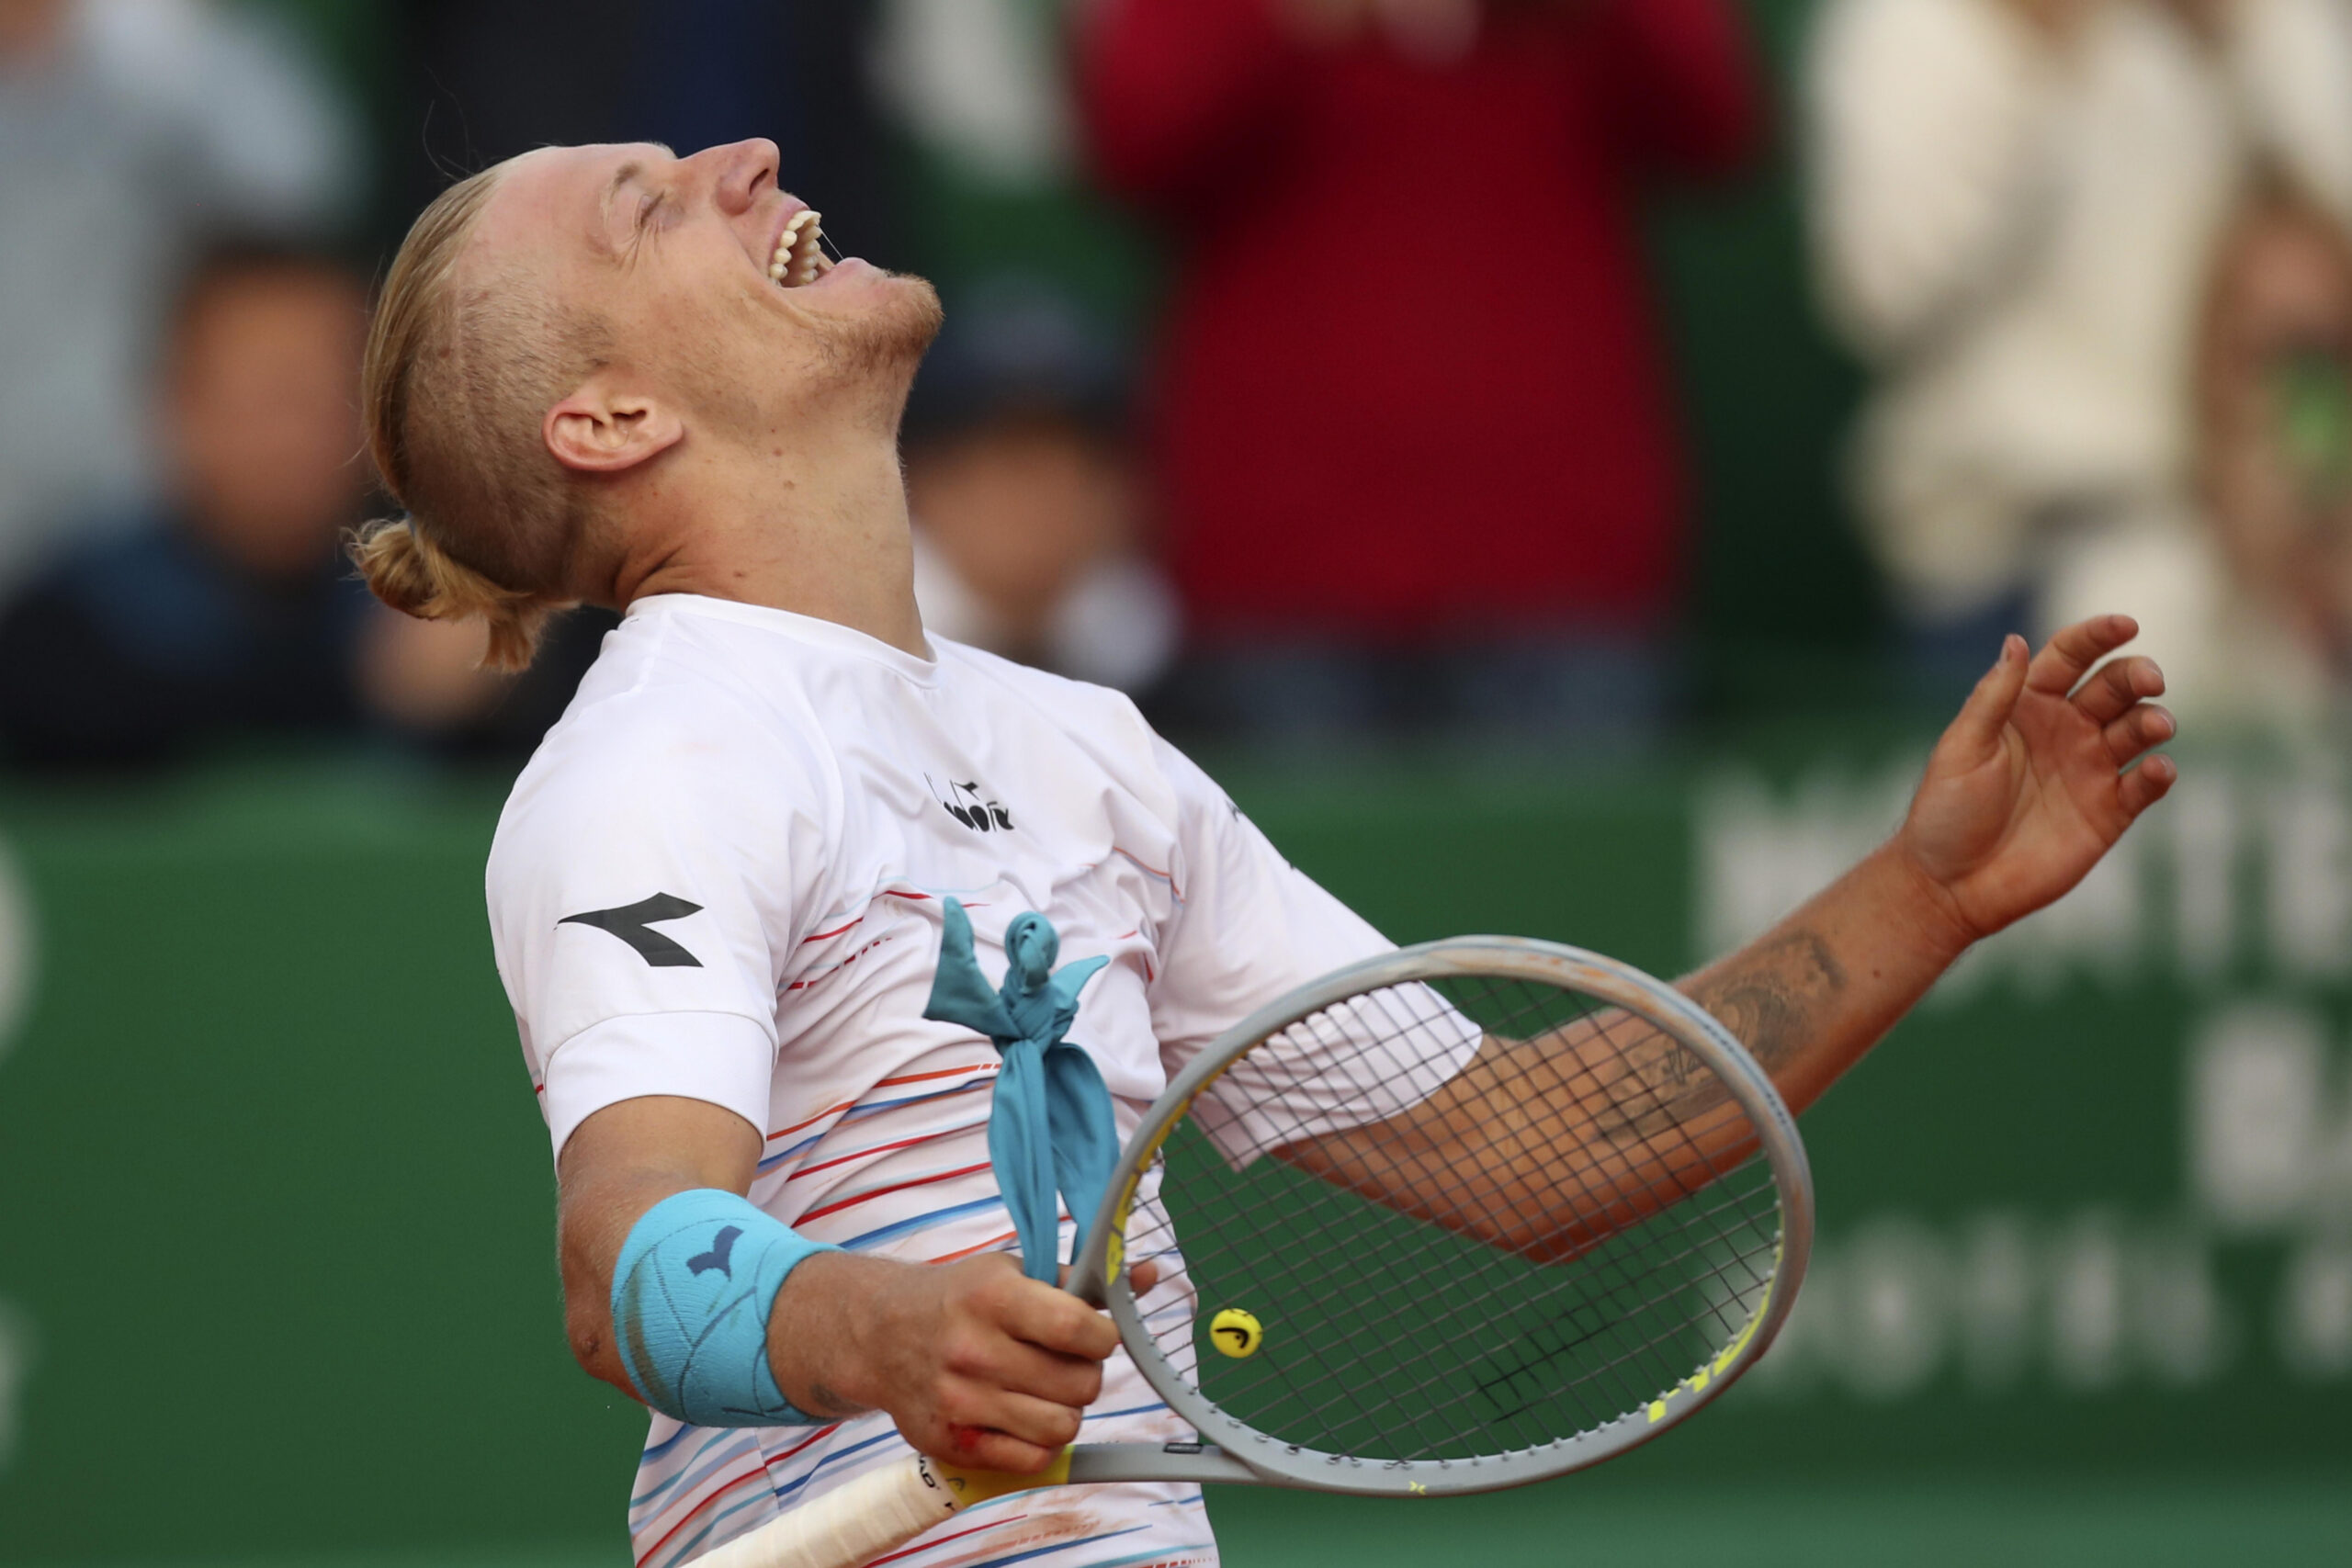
x: 721, y: 1057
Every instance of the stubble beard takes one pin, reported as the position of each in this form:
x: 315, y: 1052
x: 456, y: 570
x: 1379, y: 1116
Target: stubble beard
x: 852, y: 373
x: 872, y: 358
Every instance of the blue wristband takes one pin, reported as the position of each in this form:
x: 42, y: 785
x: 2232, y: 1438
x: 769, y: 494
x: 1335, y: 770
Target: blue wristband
x: 691, y: 1296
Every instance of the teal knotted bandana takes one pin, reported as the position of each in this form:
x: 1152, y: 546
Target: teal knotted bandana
x: 1051, y: 1124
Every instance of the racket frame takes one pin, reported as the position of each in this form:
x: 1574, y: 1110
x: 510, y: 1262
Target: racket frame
x: 1231, y: 1449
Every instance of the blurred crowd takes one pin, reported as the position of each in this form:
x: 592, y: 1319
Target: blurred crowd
x: 1305, y: 372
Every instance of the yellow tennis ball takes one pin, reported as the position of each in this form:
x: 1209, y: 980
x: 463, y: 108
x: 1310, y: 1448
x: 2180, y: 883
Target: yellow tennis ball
x: 1235, y: 1333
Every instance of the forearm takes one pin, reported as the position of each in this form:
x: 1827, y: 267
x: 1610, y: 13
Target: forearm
x: 1625, y: 1118
x: 592, y: 1226
x: 2041, y: 772
x: 1823, y: 986
x: 617, y: 1165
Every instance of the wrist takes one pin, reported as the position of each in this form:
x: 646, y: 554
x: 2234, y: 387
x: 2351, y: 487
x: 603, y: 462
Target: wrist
x: 824, y: 1329
x: 1929, y: 912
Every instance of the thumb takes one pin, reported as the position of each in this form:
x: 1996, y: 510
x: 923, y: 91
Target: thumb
x: 1976, y: 733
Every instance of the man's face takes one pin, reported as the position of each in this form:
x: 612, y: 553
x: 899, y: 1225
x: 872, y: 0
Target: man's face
x: 675, y: 256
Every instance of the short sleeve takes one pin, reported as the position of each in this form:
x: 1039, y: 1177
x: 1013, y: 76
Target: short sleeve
x: 1253, y: 928
x: 639, y: 895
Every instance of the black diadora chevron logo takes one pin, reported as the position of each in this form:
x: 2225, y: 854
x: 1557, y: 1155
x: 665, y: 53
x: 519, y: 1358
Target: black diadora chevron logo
x: 962, y: 801
x: 633, y: 922
x: 723, y: 1247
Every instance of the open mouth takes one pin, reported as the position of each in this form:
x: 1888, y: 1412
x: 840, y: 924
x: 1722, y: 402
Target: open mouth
x: 797, y: 259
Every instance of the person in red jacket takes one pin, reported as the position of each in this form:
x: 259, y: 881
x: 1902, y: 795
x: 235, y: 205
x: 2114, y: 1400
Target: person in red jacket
x: 1413, y: 419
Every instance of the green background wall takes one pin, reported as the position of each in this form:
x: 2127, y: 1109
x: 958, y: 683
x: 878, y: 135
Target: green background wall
x: 274, y: 1207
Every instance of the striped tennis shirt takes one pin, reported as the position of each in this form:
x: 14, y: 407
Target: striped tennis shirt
x: 720, y: 878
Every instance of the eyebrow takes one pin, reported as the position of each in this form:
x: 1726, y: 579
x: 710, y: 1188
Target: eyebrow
x: 632, y: 169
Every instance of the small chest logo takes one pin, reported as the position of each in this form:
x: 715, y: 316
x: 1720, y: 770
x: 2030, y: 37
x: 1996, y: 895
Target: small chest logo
x: 966, y: 801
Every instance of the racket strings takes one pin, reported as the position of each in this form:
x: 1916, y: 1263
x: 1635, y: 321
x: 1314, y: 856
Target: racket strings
x: 1575, y: 1169
x: 1387, y: 1335
x: 1612, y: 1310
x: 1401, y: 1281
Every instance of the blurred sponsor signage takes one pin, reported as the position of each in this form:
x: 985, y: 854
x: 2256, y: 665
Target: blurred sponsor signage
x: 2166, y: 1056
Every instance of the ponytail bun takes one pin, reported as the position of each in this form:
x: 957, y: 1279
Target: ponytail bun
x: 417, y: 577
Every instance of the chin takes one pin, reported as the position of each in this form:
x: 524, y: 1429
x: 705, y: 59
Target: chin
x: 881, y: 333
x: 905, y: 308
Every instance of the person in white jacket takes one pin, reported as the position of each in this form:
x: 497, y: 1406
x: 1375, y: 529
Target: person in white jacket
x: 2018, y: 205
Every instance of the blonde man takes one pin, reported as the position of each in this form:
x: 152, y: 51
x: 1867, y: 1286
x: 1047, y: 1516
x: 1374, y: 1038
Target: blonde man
x: 614, y: 375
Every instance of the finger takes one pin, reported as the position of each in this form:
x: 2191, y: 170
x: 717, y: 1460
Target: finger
x: 1978, y: 727
x: 1023, y: 1368
x: 2146, y: 784
x: 1055, y: 1320
x: 1041, y: 1422
x: 979, y: 1447
x: 2114, y: 687
x: 2076, y: 648
x: 1141, y: 1278
x: 2143, y: 727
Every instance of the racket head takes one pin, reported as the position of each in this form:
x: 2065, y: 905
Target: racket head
x: 1395, y: 1355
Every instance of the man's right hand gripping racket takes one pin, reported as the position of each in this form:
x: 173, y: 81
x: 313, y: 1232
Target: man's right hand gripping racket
x: 1460, y: 1217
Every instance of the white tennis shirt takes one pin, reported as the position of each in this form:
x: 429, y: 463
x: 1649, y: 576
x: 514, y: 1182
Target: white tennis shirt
x: 721, y: 877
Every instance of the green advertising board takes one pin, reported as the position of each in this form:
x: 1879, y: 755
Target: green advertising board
x: 275, y: 1261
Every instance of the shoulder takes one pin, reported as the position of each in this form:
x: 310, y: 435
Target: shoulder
x: 664, y: 740
x: 1097, y: 717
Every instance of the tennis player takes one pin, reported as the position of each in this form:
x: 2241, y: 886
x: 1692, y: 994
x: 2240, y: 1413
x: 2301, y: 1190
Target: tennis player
x: 612, y: 375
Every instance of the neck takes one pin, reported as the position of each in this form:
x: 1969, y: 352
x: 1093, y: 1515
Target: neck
x: 817, y: 527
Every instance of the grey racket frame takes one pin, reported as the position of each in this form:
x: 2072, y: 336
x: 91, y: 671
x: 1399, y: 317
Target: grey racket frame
x: 1230, y: 1450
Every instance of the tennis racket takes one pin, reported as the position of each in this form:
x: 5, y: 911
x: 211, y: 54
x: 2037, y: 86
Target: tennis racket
x: 1460, y: 1217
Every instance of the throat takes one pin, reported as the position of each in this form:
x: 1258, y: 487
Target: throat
x: 819, y: 534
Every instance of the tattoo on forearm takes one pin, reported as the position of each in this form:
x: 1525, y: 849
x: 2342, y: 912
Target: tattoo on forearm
x: 1769, y: 1000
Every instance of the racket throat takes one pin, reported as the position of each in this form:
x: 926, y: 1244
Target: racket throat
x: 1168, y: 1462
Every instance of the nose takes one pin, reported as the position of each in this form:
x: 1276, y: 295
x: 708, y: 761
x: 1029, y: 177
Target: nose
x: 741, y: 172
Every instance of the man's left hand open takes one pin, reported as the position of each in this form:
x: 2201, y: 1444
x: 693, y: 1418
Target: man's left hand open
x: 2033, y: 781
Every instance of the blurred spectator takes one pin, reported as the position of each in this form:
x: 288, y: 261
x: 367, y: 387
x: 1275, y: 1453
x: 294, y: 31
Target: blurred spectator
x: 132, y: 132
x: 228, y: 610
x: 1414, y: 419
x: 2275, y: 462
x: 2018, y: 204
x: 991, y: 177
x: 1025, y: 508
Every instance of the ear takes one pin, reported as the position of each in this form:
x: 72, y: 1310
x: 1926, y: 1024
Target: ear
x: 601, y: 429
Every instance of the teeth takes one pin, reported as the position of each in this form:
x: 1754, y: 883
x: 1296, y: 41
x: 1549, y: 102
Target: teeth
x: 797, y: 259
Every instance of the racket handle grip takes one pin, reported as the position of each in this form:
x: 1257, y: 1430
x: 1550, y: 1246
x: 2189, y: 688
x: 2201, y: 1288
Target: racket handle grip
x: 847, y: 1527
